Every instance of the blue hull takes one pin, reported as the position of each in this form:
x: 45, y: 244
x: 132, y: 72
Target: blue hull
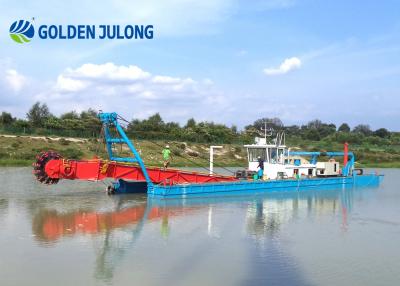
x: 266, y: 186
x: 128, y: 187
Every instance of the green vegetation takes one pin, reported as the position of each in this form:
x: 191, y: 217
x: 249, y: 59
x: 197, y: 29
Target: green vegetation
x: 189, y: 143
x: 22, y: 150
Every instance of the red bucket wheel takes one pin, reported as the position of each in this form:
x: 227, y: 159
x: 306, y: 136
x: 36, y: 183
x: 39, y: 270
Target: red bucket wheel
x: 39, y: 167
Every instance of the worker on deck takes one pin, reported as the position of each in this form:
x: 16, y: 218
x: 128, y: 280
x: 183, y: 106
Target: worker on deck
x: 166, y: 153
x: 260, y: 167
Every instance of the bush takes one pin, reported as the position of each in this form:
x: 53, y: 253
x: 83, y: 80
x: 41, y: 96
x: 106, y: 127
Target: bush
x: 193, y: 153
x: 375, y: 140
x: 26, y: 156
x: 312, y: 134
x: 15, y: 145
x: 4, y: 155
x: 237, y: 149
x: 64, y: 142
x: 93, y: 140
x: 351, y: 138
x: 176, y: 152
x: 42, y: 131
x: 71, y: 153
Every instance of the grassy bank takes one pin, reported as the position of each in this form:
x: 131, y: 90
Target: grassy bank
x: 22, y: 150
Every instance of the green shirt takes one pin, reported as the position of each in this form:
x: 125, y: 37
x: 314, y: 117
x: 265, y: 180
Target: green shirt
x: 166, y: 153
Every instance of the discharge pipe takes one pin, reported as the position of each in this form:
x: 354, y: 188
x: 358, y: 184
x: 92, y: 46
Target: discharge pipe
x: 346, y: 154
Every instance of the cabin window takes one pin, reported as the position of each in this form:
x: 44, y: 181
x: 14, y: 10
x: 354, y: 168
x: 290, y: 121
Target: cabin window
x: 273, y: 155
x: 254, y: 153
x: 280, y: 155
x: 276, y: 155
x: 310, y: 172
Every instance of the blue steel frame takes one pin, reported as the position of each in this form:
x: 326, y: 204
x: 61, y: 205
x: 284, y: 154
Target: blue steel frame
x: 109, y: 119
x: 314, y: 155
x: 269, y: 186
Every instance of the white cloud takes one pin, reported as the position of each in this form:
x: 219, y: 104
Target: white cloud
x: 134, y: 92
x: 288, y: 65
x: 70, y: 84
x: 108, y: 71
x: 109, y: 78
x: 165, y: 79
x: 127, y: 89
x: 15, y: 80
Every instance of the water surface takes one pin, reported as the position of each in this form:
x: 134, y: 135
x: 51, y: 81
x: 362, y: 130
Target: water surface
x: 74, y: 234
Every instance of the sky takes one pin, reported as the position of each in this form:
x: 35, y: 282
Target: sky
x: 227, y: 61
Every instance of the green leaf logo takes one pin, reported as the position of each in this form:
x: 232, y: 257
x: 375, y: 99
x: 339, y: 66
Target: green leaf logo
x: 22, y: 31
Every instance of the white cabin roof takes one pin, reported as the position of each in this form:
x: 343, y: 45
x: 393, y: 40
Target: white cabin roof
x: 264, y: 146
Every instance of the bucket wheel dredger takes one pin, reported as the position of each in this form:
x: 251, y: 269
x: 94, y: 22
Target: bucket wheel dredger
x: 130, y: 173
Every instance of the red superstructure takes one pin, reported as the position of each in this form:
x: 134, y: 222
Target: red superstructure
x: 50, y: 167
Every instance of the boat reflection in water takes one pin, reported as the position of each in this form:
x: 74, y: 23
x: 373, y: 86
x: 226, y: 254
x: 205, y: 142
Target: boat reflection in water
x: 116, y: 231
x: 50, y: 225
x: 130, y: 215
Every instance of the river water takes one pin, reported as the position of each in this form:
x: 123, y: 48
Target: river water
x: 74, y: 234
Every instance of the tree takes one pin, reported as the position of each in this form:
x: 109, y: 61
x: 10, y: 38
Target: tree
x: 171, y: 126
x: 191, y: 123
x: 90, y: 113
x: 326, y: 129
x: 312, y: 134
x: 134, y: 125
x: 317, y: 127
x: 258, y: 126
x: 363, y: 129
x: 349, y: 137
x: 234, y: 129
x: 6, y: 118
x: 382, y: 132
x: 314, y: 124
x: 73, y: 124
x: 70, y: 115
x: 53, y: 122
x: 344, y: 128
x: 292, y: 130
x: 154, y: 122
x: 20, y: 123
x: 38, y: 114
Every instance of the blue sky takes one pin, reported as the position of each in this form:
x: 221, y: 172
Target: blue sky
x: 216, y: 60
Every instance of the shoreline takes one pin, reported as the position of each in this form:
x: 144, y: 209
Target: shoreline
x: 21, y: 151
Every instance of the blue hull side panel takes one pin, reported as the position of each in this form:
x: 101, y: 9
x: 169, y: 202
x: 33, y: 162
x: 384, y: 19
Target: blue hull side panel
x: 266, y: 186
x: 128, y: 187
